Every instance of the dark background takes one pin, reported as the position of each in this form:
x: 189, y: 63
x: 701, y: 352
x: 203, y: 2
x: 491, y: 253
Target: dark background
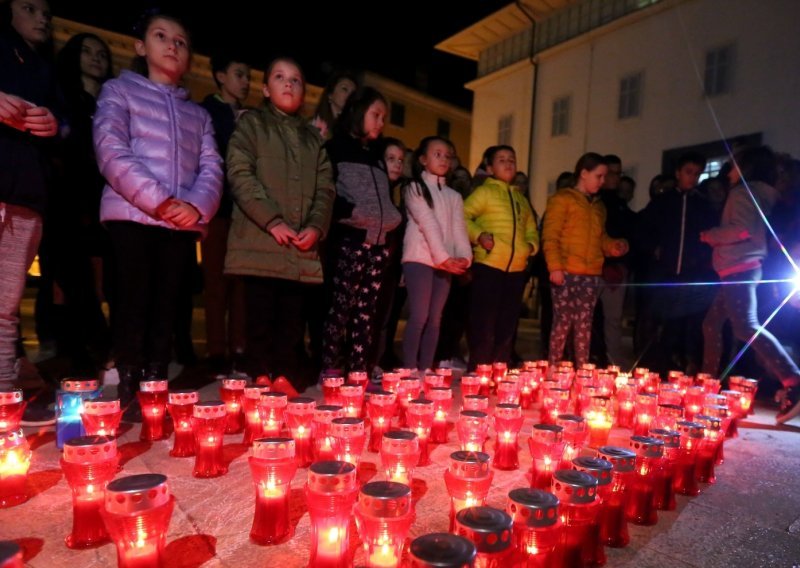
x: 394, y: 39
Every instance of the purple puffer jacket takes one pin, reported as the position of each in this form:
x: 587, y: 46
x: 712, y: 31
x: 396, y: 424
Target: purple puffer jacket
x: 153, y: 143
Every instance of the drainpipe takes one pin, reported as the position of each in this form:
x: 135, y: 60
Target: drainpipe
x: 532, y: 59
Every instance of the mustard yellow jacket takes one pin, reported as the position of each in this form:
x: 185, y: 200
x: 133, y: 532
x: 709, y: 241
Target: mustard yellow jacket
x: 574, y: 235
x: 505, y: 212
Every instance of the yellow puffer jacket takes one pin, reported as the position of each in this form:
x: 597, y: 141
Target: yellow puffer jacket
x: 574, y: 236
x: 505, y: 212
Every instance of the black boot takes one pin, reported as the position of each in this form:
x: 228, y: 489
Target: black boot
x: 129, y: 378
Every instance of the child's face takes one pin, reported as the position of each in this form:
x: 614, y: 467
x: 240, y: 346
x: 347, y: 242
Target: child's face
x: 374, y: 119
x: 32, y: 20
x: 436, y: 158
x: 503, y: 166
x: 394, y: 157
x: 166, y: 49
x: 94, y: 59
x: 592, y: 180
x: 235, y: 82
x: 285, y: 87
x: 688, y: 175
x: 339, y: 95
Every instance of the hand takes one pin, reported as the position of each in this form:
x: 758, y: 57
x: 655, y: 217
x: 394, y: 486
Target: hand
x: 619, y: 248
x: 181, y: 214
x: 12, y: 110
x: 557, y: 278
x: 453, y: 266
x: 39, y: 121
x: 306, y: 238
x: 486, y: 240
x: 704, y: 237
x: 282, y: 233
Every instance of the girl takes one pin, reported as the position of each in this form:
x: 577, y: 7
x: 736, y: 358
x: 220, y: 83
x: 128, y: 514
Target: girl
x: 363, y: 218
x: 502, y: 228
x: 157, y: 152
x: 282, y: 183
x: 739, y: 246
x: 435, y: 247
x: 332, y: 101
x: 575, y: 243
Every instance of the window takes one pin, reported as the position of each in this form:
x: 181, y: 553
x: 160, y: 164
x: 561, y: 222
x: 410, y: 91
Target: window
x: 713, y: 167
x: 560, y: 126
x: 630, y: 96
x: 504, y: 128
x: 719, y: 71
x: 397, y: 114
x: 443, y: 128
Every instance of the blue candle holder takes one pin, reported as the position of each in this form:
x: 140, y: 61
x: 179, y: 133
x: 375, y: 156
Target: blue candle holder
x: 69, y: 403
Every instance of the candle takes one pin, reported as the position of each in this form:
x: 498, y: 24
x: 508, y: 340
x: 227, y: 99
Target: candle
x: 472, y: 428
x: 507, y: 424
x: 489, y: 529
x: 468, y: 480
x: 555, y: 401
x: 153, y: 398
x: 273, y: 467
x: 89, y: 463
x: 547, y: 450
x: 431, y: 380
x: 69, y: 402
x: 384, y: 514
x: 419, y: 417
x: 599, y: 419
x: 600, y: 469
x: 380, y: 409
x: 11, y: 408
x: 441, y: 550
x: 299, y: 416
x: 271, y: 407
x: 442, y: 398
x: 352, y: 397
x: 322, y: 441
x: 101, y: 417
x: 408, y: 390
x: 181, y: 409
x: 470, y: 384
x: 613, y: 525
x: 536, y: 528
x: 708, y: 448
x: 447, y: 375
x: 252, y: 420
x: 721, y: 413
x: 231, y: 392
x: 476, y: 402
x: 136, y: 513
x: 646, y: 408
x: 507, y: 392
x: 330, y: 390
x: 399, y: 455
x: 485, y: 374
x: 348, y: 439
x: 639, y: 508
x: 685, y: 480
x: 390, y: 382
x: 209, y: 420
x: 663, y: 492
x: 15, y: 460
x: 580, y: 509
x: 358, y: 378
x: 330, y: 493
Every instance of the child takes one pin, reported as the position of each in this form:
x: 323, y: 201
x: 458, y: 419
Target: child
x: 502, y: 229
x: 435, y: 247
x: 575, y: 243
x: 363, y: 217
x: 157, y: 152
x: 224, y: 295
x: 332, y: 101
x: 282, y: 183
x: 739, y: 246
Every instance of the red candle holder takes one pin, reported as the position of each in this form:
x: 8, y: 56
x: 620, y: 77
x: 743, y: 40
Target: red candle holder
x: 547, y: 450
x: 536, y: 531
x: 748, y: 388
x: 231, y: 392
x: 384, y: 514
x: 646, y: 409
x: 607, y: 382
x: 472, y: 428
x: 442, y: 398
x: 399, y: 455
x: 10, y: 555
x: 667, y: 416
x: 352, y: 397
x: 380, y: 409
x: 485, y: 374
x: 252, y: 420
x: 348, y: 439
x: 431, y: 380
x: 564, y: 377
x: 664, y: 493
x: 470, y: 384
x: 69, y: 403
x: 322, y: 441
x: 575, y: 434
x: 507, y: 421
x: 390, y: 382
x: 489, y: 529
x: 408, y: 389
x: 441, y: 550
x: 713, y: 437
x: 527, y: 389
x: 11, y: 408
x: 331, y: 491
x: 639, y: 508
x: 153, y: 398
x: 136, y: 514
x: 580, y: 511
x: 272, y: 466
x: 709, y: 383
x: 181, y: 409
x: 693, y: 402
x: 209, y: 420
x: 15, y: 460
x: 601, y: 470
x: 358, y: 379
x: 419, y: 418
x: 89, y: 463
x: 613, y: 525
x: 499, y: 371
x: 299, y: 416
x: 668, y: 394
x: 330, y: 391
x: 468, y: 480
x: 723, y: 414
x: 685, y: 481
x: 626, y: 397
x: 271, y: 407
x: 476, y: 402
x: 733, y: 400
x: 599, y: 417
x: 555, y: 401
x: 447, y: 374
x: 101, y: 417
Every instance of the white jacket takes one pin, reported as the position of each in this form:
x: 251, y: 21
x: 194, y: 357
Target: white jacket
x: 435, y: 234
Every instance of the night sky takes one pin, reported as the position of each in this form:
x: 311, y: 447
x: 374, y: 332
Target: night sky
x: 397, y: 42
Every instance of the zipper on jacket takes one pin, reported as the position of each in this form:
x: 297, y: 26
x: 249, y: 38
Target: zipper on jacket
x: 174, y: 128
x: 683, y: 234
x: 513, y: 228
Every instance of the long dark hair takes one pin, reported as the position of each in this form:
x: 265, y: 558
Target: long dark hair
x: 588, y: 162
x: 351, y: 121
x: 68, y: 64
x: 416, y: 183
x: 139, y: 64
x: 323, y: 109
x: 45, y: 50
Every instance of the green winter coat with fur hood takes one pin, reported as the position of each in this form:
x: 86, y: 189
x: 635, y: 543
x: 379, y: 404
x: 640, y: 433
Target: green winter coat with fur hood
x: 278, y: 171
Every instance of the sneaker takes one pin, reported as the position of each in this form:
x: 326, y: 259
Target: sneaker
x: 36, y: 415
x: 790, y: 405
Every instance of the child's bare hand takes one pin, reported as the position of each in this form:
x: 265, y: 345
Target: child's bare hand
x: 619, y: 248
x: 486, y: 240
x: 557, y: 278
x: 39, y: 121
x: 453, y: 266
x: 306, y: 238
x: 181, y: 214
x: 283, y: 234
x: 12, y: 110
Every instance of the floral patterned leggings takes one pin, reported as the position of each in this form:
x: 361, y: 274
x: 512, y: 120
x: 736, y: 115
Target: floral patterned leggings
x: 573, y: 308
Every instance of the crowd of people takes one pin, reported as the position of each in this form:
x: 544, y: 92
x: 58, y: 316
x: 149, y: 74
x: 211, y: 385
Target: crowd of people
x: 324, y: 228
